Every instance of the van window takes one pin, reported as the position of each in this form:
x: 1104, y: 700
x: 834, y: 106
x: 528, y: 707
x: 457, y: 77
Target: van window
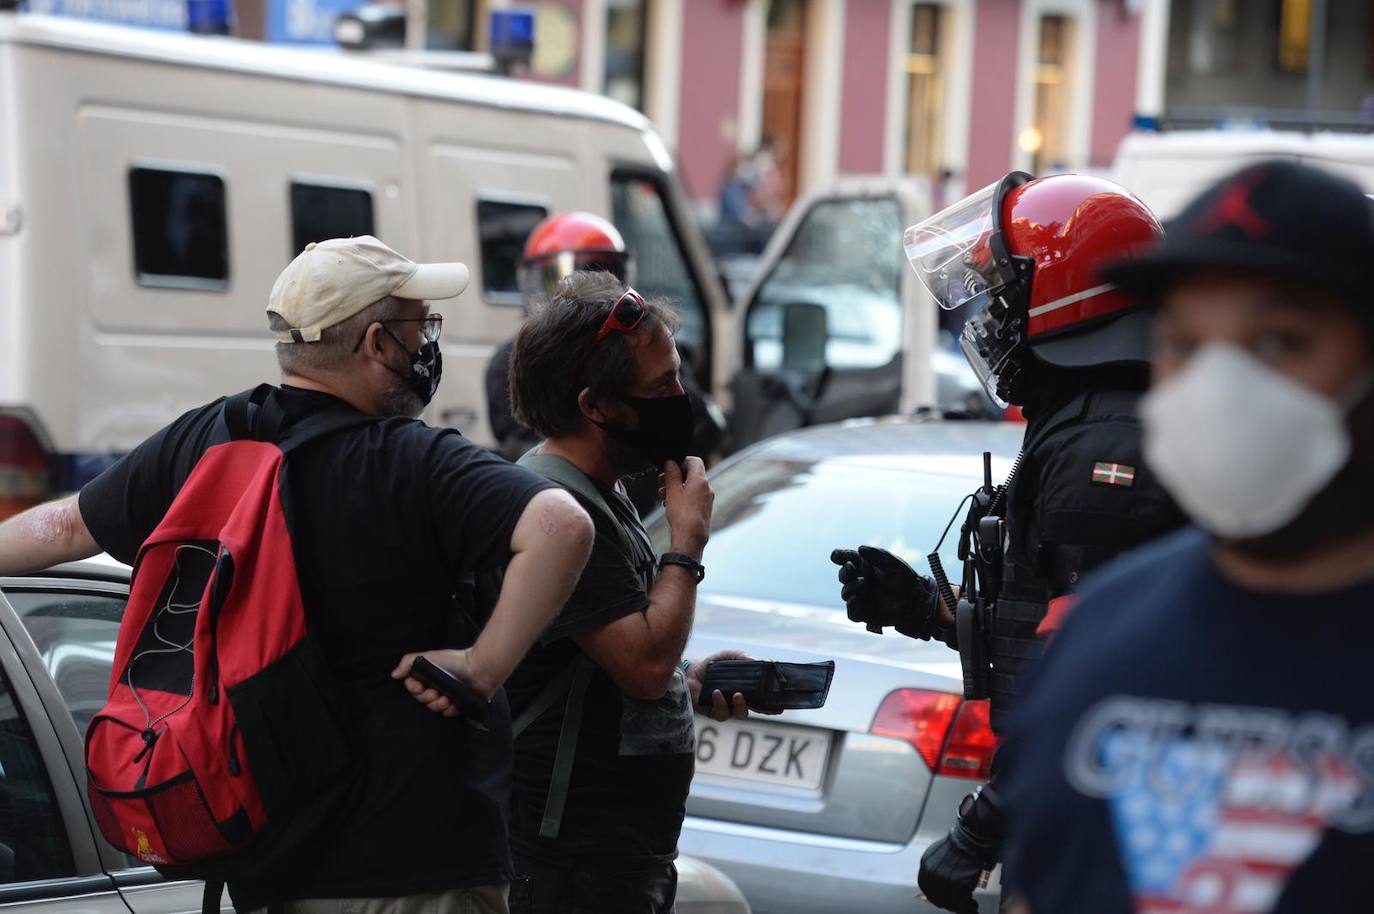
x: 321, y: 211
x: 181, y: 232
x: 660, y: 265
x: 502, y: 227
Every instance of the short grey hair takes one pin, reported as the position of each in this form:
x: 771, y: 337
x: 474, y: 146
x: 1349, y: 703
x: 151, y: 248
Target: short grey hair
x: 336, y: 343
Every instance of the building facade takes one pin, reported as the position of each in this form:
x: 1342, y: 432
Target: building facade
x: 960, y: 91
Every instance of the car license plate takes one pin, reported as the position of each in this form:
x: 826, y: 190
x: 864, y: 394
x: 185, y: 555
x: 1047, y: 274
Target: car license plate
x: 765, y: 752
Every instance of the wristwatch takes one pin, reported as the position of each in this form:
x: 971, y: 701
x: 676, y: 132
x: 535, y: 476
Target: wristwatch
x: 697, y: 569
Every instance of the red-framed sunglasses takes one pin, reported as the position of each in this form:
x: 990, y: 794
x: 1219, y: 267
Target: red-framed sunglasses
x: 626, y: 314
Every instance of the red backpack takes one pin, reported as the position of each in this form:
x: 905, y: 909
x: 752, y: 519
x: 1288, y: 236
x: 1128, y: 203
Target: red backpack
x: 223, y: 745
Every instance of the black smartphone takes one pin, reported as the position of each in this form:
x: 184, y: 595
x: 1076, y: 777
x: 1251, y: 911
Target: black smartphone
x: 473, y: 708
x: 769, y: 685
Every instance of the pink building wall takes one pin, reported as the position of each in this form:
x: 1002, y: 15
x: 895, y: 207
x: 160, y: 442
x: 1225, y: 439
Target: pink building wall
x: 997, y: 25
x: 863, y: 101
x: 1118, y: 51
x: 708, y: 119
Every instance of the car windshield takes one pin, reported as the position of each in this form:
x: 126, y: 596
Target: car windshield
x: 776, y: 519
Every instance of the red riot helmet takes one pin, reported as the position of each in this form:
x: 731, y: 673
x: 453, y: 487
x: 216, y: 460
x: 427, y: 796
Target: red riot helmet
x: 563, y: 244
x: 1023, y: 256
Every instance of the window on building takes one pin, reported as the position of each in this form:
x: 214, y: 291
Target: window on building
x: 33, y: 840
x: 451, y: 25
x: 322, y: 211
x: 1046, y: 140
x: 925, y: 90
x: 1295, y: 35
x: 502, y: 228
x: 1213, y: 37
x: 180, y: 228
x: 639, y: 210
x: 625, y: 29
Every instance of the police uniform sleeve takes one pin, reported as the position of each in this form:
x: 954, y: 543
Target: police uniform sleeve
x: 1097, y: 499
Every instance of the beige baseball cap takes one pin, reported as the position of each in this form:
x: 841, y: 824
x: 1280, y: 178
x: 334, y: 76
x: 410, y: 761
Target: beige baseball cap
x: 330, y: 281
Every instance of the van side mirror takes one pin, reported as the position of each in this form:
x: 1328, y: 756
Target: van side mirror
x: 804, y: 337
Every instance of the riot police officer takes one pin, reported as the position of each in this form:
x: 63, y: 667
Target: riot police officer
x: 1043, y: 332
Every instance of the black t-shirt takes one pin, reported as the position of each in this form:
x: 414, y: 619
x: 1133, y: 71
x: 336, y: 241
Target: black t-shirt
x: 634, y: 763
x: 386, y: 519
x: 1195, y: 746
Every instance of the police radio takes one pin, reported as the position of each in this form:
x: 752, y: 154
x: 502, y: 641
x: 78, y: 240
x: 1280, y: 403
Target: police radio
x: 980, y: 551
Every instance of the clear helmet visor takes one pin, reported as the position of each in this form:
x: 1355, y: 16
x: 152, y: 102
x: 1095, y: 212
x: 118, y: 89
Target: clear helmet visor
x: 988, y: 353
x: 950, y: 251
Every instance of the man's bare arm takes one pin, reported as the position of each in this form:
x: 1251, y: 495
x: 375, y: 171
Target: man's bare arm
x: 640, y: 651
x: 49, y: 534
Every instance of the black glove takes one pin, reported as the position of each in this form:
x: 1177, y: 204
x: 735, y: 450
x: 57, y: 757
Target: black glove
x: 953, y: 867
x: 880, y: 589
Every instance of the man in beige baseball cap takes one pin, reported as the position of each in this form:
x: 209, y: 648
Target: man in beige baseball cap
x: 350, y: 319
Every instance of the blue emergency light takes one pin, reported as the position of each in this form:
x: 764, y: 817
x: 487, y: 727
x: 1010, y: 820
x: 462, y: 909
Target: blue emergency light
x: 512, y: 36
x: 209, y: 17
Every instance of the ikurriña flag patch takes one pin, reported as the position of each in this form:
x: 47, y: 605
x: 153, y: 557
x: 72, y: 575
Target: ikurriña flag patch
x: 1113, y: 474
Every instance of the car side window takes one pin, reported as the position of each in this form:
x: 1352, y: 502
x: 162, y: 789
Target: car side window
x: 846, y: 258
x: 640, y: 211
x: 33, y: 841
x: 75, y: 635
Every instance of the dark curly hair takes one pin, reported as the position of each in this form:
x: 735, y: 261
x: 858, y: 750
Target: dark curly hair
x: 554, y: 357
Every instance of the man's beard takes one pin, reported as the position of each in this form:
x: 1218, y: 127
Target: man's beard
x: 399, y: 400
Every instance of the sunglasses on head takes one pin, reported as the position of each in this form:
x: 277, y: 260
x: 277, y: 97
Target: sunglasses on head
x: 626, y: 314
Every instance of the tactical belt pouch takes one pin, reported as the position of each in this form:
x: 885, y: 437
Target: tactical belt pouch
x: 770, y: 685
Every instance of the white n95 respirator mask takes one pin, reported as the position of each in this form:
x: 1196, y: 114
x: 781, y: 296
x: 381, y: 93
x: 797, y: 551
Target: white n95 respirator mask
x: 1241, y: 447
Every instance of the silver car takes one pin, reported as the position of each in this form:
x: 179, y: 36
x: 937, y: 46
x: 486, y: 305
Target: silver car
x: 830, y: 810
x: 57, y: 642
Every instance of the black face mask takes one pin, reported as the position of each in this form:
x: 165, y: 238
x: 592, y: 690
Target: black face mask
x: 665, y: 430
x: 426, y: 367
x: 1342, y: 510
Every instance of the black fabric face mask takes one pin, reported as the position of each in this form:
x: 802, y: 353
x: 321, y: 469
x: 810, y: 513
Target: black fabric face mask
x: 426, y: 367
x: 1342, y: 510
x: 665, y: 430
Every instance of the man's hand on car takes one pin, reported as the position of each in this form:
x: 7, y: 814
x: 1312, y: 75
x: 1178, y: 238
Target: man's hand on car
x: 736, y: 707
x: 455, y: 661
x: 687, y: 501
x: 879, y: 590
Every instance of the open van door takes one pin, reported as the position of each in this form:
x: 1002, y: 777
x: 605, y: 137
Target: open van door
x: 835, y: 325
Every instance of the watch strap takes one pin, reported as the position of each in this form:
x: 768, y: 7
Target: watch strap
x: 697, y: 569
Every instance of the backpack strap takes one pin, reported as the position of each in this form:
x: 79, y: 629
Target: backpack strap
x: 563, y: 760
x: 254, y: 415
x: 577, y: 675
x: 581, y: 485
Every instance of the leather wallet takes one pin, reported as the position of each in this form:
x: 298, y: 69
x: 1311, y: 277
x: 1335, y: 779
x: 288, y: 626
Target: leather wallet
x: 769, y: 685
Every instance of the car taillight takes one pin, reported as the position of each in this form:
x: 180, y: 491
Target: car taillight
x: 952, y: 735
x: 23, y: 467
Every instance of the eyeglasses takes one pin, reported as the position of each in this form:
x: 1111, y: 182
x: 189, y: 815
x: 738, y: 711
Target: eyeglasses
x: 626, y: 314
x: 431, y: 325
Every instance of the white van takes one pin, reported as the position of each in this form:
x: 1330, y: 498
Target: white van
x: 153, y: 185
x: 1167, y: 170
